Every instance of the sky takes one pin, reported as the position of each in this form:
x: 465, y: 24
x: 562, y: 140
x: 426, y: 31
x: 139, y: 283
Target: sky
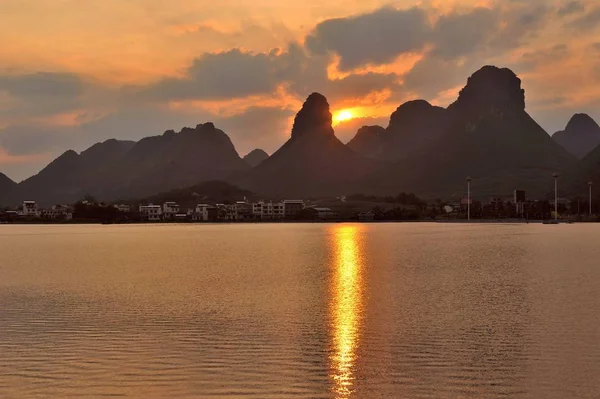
x: 73, y: 73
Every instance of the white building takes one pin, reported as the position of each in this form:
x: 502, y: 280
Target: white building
x: 152, y: 213
x: 200, y: 213
x: 30, y: 209
x: 170, y: 209
x: 268, y: 210
x: 57, y: 212
x: 123, y: 208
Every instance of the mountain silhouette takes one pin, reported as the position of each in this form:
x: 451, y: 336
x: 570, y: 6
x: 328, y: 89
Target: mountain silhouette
x: 8, y: 189
x: 255, y: 157
x: 125, y: 169
x: 312, y: 162
x: 414, y: 126
x: 485, y: 134
x: 580, y: 137
x: 173, y: 160
x: 369, y: 141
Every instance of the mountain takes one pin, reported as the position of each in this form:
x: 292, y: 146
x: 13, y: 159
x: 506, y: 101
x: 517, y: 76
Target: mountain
x: 8, y: 190
x: 369, y: 141
x: 71, y: 176
x: 580, y: 137
x: 414, y: 126
x: 485, y: 134
x: 126, y: 169
x: 173, y: 160
x: 313, y: 162
x: 255, y: 157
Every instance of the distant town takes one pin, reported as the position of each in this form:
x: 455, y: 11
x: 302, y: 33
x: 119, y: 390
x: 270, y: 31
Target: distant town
x: 359, y: 208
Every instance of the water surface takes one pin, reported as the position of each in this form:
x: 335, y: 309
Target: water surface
x: 300, y: 311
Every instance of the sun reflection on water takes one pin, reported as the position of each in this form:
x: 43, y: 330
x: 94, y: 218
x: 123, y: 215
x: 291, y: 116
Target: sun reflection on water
x: 346, y: 308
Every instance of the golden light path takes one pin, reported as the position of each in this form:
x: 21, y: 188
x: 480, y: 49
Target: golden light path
x: 346, y: 307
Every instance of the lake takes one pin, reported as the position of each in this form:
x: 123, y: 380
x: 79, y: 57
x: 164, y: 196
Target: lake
x: 417, y: 310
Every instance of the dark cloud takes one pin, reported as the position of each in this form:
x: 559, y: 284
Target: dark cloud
x: 570, y: 8
x: 375, y: 38
x: 221, y: 76
x: 360, y: 86
x: 589, y: 21
x: 460, y: 34
x: 42, y: 84
x: 448, y: 73
x: 532, y: 59
x: 43, y: 93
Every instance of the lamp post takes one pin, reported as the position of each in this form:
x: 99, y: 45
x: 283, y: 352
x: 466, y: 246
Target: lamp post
x: 469, y: 198
x: 590, y: 184
x: 555, y: 196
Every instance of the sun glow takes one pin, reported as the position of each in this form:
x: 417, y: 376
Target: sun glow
x: 343, y: 115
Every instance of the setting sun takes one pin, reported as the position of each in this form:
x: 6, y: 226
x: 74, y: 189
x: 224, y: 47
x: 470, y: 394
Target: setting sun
x: 343, y: 116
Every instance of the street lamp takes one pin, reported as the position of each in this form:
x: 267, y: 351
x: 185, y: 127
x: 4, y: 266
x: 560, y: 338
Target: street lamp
x: 555, y: 196
x: 591, y: 184
x: 469, y: 198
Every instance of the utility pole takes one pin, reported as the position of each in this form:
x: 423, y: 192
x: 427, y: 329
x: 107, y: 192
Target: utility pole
x: 469, y: 198
x: 555, y: 196
x: 591, y: 184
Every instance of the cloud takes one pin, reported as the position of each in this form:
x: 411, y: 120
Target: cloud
x: 570, y: 8
x: 587, y: 22
x: 234, y: 73
x: 374, y: 38
x: 460, y: 34
x: 532, y: 59
x: 42, y: 93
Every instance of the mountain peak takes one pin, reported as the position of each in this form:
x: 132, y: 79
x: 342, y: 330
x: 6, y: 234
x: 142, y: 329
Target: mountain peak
x: 256, y: 157
x: 580, y: 137
x: 314, y: 119
x: 582, y: 122
x: 492, y: 88
x: 410, y: 111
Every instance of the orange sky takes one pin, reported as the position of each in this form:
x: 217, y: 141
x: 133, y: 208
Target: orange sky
x: 73, y: 72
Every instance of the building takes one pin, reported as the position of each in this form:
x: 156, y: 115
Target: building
x: 123, y: 208
x: 30, y: 209
x: 325, y: 213
x: 203, y: 213
x: 244, y: 210
x: 169, y: 210
x: 57, y: 212
x: 292, y: 208
x: 268, y: 210
x: 366, y: 216
x: 152, y: 213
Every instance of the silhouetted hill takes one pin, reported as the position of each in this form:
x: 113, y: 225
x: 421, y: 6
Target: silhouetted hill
x: 256, y: 157
x: 174, y: 160
x: 580, y: 137
x: 8, y: 190
x: 125, y: 169
x: 71, y: 176
x: 486, y: 135
x: 575, y: 180
x: 210, y: 192
x: 312, y: 162
x: 368, y: 141
x: 413, y: 127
